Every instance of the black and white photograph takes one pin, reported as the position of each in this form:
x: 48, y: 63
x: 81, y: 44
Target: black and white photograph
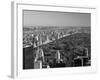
x: 54, y: 39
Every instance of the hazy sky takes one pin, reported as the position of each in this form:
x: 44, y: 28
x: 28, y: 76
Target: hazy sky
x: 47, y: 18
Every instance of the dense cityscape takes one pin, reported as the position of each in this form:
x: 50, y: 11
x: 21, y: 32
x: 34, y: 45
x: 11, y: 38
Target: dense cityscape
x: 52, y: 47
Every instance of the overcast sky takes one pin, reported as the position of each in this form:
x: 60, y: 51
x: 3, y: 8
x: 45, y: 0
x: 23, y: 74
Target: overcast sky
x: 47, y: 18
